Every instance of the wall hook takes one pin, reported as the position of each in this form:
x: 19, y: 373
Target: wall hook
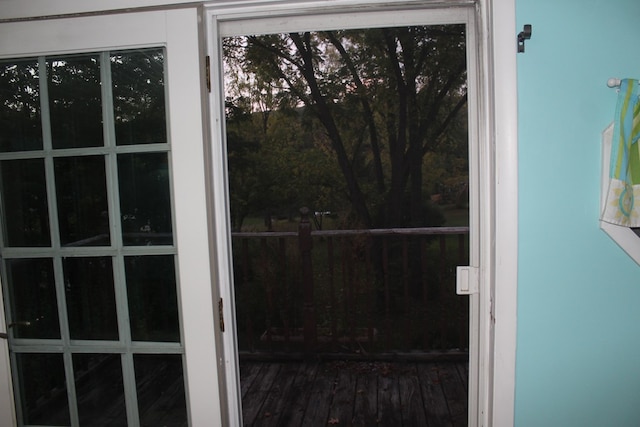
x: 525, y: 34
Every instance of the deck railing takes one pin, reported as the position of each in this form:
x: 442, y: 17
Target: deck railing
x: 357, y: 293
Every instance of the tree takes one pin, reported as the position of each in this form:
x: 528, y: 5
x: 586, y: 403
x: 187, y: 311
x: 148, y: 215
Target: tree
x: 20, y: 106
x: 384, y: 98
x: 276, y: 163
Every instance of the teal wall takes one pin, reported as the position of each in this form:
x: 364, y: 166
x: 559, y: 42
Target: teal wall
x: 578, y: 345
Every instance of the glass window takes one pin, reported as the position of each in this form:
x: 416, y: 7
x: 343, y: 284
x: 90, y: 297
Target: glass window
x: 99, y: 389
x: 75, y: 101
x: 91, y: 304
x: 24, y: 201
x: 138, y: 96
x: 43, y: 389
x: 32, y: 292
x: 160, y: 389
x: 145, y: 200
x: 81, y: 191
x: 73, y: 158
x: 153, y: 303
x: 20, y: 106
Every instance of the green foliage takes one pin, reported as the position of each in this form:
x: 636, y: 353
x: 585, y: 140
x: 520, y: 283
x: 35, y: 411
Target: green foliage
x: 370, y: 122
x: 277, y: 168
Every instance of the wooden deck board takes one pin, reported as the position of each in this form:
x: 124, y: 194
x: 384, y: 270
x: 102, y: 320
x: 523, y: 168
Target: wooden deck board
x: 320, y: 397
x: 344, y: 393
x: 411, y: 403
x: 248, y: 373
x: 389, y: 413
x: 435, y: 402
x: 258, y: 393
x: 277, y: 399
x: 454, y: 391
x: 430, y: 394
x: 366, y: 400
x: 298, y: 396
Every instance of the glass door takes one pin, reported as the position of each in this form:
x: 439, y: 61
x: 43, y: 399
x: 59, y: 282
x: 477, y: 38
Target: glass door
x: 94, y: 186
x: 295, y: 71
x: 87, y: 240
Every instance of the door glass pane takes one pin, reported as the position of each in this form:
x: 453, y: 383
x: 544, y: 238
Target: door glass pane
x: 367, y: 127
x: 90, y: 298
x: 75, y: 101
x: 160, y: 389
x: 20, y: 128
x: 59, y: 143
x: 153, y: 303
x: 82, y: 201
x: 43, y: 389
x: 24, y: 199
x: 145, y: 202
x: 138, y: 96
x: 34, y: 309
x: 99, y: 389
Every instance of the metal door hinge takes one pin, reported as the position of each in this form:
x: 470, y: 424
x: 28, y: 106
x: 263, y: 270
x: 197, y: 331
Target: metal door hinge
x: 207, y: 72
x: 467, y: 280
x: 221, y: 315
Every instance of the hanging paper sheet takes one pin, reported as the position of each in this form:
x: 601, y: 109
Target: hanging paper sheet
x: 622, y: 204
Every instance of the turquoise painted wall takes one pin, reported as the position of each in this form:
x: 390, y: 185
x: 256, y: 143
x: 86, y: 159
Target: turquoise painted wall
x: 578, y: 345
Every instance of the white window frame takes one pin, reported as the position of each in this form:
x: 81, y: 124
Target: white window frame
x: 495, y: 307
x: 177, y: 31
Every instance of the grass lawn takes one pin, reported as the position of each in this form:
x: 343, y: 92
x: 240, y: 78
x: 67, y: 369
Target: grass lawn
x: 454, y: 217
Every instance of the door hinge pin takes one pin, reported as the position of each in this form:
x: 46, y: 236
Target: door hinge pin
x: 221, y: 315
x: 208, y: 72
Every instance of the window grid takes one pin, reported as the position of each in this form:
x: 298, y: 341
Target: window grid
x: 116, y: 250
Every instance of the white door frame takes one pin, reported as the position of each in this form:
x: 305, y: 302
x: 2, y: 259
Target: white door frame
x: 177, y: 31
x: 491, y: 389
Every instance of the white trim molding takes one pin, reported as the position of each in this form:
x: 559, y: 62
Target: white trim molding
x: 503, y: 308
x: 12, y: 10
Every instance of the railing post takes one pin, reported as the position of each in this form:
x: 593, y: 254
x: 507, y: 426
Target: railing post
x: 306, y: 245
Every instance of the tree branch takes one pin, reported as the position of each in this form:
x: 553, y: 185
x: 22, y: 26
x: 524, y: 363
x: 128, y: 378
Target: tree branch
x: 368, y: 113
x: 445, y: 124
x: 277, y: 52
x: 326, y: 118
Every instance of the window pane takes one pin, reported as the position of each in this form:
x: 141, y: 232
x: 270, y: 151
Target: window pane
x: 153, y: 303
x: 20, y: 128
x: 160, y: 388
x: 75, y: 101
x: 82, y: 201
x: 34, y: 309
x: 90, y: 298
x: 99, y: 389
x: 43, y: 389
x: 138, y: 96
x: 145, y: 202
x: 24, y: 200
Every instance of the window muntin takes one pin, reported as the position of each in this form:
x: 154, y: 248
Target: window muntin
x: 87, y: 219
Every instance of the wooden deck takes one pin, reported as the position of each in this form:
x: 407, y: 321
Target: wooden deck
x: 351, y: 393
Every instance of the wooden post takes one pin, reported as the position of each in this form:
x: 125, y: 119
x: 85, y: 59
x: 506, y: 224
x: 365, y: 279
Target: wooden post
x: 306, y: 245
